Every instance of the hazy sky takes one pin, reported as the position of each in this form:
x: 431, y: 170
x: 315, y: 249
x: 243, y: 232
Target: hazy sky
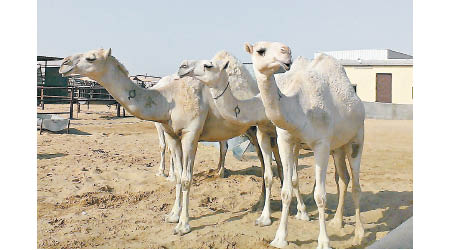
x: 155, y: 36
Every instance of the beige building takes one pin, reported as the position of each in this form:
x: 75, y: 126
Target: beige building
x: 378, y: 75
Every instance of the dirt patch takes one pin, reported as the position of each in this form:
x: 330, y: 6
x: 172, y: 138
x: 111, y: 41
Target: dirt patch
x: 98, y: 189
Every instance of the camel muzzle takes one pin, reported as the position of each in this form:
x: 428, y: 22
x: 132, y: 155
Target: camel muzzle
x: 67, y: 65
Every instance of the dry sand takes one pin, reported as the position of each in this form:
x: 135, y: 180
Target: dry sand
x: 97, y: 189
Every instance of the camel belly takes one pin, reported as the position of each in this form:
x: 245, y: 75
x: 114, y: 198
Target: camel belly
x: 219, y: 130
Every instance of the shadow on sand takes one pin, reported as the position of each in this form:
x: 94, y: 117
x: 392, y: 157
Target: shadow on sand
x: 397, y: 207
x: 49, y: 156
x: 72, y: 131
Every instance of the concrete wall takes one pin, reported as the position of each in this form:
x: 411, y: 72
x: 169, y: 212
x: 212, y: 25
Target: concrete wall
x: 388, y: 111
x: 364, y: 77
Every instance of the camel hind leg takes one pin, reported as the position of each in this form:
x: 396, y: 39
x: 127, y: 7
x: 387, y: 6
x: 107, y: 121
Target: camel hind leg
x: 354, y: 151
x: 223, y: 153
x: 342, y: 179
x: 162, y: 149
x: 276, y: 154
x: 301, y: 207
x: 251, y: 134
x: 171, y: 176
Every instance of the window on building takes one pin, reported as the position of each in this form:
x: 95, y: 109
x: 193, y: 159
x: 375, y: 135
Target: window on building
x: 354, y: 87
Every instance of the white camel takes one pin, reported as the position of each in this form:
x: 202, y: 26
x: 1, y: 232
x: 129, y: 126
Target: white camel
x: 184, y: 107
x: 242, y: 113
x: 316, y: 105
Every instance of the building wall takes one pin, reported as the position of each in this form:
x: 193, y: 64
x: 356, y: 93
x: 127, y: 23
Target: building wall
x: 364, y: 77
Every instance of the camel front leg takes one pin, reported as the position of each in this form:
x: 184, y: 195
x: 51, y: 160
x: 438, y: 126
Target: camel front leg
x: 175, y: 147
x: 223, y: 153
x: 266, y: 151
x: 301, y: 207
x: 189, y: 143
x: 162, y: 149
x: 286, y: 147
x: 321, y: 155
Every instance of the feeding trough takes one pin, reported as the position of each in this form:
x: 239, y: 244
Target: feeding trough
x: 53, y: 123
x: 238, y: 145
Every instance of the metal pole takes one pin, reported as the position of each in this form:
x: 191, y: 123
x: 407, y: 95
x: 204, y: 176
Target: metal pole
x: 123, y: 109
x: 78, y: 107
x: 118, y: 109
x: 71, y: 104
x: 42, y: 98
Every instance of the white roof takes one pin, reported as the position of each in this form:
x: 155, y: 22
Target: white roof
x: 389, y: 62
x: 366, y: 54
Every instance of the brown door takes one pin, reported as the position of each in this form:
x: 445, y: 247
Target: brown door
x: 384, y: 87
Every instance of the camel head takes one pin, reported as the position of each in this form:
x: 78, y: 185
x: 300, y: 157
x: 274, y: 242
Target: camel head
x: 269, y: 57
x: 208, y: 72
x: 92, y: 64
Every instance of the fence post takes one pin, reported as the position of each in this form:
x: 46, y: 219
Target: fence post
x: 42, y: 98
x: 123, y: 109
x: 78, y: 102
x: 71, y: 104
x: 90, y: 97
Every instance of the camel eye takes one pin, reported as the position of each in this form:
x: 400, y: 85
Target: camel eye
x: 261, y: 52
x: 208, y: 66
x: 90, y: 59
x: 183, y: 66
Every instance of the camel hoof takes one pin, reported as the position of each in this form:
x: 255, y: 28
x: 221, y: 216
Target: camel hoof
x: 171, y: 178
x: 336, y: 223
x: 263, y: 221
x: 182, y: 229
x: 323, y: 244
x: 221, y: 173
x: 171, y: 218
x: 359, y: 235
x: 279, y: 243
x: 302, y: 216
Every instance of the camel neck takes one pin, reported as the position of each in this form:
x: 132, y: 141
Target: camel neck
x: 271, y: 97
x: 146, y: 104
x: 243, y: 112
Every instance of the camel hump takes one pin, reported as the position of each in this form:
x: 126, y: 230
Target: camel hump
x: 327, y: 64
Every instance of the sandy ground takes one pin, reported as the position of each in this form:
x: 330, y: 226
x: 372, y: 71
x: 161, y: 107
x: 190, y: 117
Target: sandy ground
x: 97, y: 189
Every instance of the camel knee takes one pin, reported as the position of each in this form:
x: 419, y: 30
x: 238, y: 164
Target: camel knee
x: 320, y: 198
x: 268, y: 180
x: 185, y: 182
x: 286, y: 194
x: 356, y: 191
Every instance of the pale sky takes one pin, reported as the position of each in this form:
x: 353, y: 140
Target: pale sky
x: 153, y: 37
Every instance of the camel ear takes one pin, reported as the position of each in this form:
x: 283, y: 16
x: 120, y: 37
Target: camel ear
x: 225, y: 65
x: 108, y: 53
x: 248, y: 48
